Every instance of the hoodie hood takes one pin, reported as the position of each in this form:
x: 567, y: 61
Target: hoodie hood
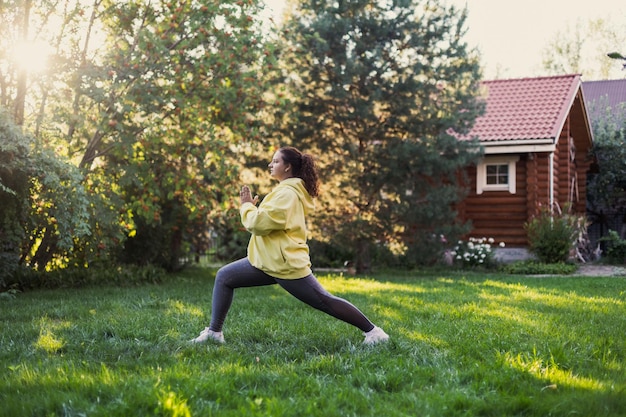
x: 297, y: 184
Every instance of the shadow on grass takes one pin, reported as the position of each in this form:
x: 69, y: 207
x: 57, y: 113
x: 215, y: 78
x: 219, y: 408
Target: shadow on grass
x: 461, y: 345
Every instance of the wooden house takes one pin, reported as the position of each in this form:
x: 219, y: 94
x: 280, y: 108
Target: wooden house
x: 536, y: 137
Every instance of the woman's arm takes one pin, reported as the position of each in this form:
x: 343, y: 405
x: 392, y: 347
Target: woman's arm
x: 271, y: 215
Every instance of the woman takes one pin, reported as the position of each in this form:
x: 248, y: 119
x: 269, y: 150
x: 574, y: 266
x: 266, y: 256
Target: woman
x: 278, y: 252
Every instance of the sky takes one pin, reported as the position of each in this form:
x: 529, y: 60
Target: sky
x: 512, y: 35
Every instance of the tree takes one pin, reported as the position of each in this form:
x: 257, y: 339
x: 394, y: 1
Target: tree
x: 183, y: 88
x: 606, y: 192
x: 152, y: 101
x: 41, y: 195
x: 378, y: 90
x: 580, y: 50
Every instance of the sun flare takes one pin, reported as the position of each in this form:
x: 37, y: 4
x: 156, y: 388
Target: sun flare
x: 32, y: 56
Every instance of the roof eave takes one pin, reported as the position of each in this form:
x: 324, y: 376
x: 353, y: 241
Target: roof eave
x: 586, y: 115
x: 519, y: 146
x: 566, y: 107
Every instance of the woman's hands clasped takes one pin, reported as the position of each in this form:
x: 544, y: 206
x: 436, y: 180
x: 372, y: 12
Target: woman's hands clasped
x: 245, y: 195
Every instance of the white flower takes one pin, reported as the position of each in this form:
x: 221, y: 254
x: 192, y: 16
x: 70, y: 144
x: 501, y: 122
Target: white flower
x: 491, y: 240
x: 501, y: 244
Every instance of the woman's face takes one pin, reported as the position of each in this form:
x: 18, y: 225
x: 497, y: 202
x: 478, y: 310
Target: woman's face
x: 278, y: 169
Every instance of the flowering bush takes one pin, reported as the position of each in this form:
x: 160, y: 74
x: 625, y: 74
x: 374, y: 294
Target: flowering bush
x: 474, y: 252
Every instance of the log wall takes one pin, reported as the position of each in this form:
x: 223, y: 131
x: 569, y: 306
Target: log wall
x: 499, y: 214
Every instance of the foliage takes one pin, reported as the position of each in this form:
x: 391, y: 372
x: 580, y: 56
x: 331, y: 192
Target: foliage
x: 158, y: 117
x: 470, y: 344
x: 615, y: 248
x: 581, y: 49
x: 377, y: 91
x: 178, y: 125
x: 25, y: 279
x: 60, y: 210
x: 43, y: 199
x: 15, y: 172
x: 606, y: 184
x: 606, y: 190
x: 474, y: 252
x: 233, y: 238
x: 324, y: 254
x: 552, y: 236
x: 531, y: 267
x: 174, y: 158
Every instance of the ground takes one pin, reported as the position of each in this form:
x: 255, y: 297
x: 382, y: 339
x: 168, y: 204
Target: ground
x: 601, y: 270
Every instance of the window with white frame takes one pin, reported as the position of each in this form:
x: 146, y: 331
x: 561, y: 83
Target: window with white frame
x: 496, y: 173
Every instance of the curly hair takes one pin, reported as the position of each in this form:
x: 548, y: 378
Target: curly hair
x: 303, y: 167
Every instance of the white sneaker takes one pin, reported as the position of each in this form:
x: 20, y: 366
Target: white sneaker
x: 208, y: 334
x: 376, y: 335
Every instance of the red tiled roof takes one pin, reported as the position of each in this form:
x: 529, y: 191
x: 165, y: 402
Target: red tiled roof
x: 525, y: 108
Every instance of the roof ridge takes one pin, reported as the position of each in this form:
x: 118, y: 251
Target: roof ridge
x: 545, y: 77
x: 617, y: 80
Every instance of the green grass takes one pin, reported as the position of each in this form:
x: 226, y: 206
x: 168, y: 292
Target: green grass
x: 462, y: 345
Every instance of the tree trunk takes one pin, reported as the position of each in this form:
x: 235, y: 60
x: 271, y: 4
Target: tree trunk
x: 22, y: 75
x: 46, y: 250
x: 362, y: 261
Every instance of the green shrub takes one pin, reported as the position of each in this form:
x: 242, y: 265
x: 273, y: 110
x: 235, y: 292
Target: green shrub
x: 552, y: 236
x: 328, y: 255
x: 538, y: 268
x: 615, y: 248
x: 127, y: 275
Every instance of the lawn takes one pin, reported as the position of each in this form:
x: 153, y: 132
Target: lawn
x: 463, y: 344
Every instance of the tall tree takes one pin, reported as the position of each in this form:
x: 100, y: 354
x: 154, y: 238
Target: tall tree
x: 152, y: 100
x: 181, y: 89
x: 378, y: 90
x: 54, y: 200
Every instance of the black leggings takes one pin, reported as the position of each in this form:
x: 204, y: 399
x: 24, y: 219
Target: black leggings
x: 241, y: 274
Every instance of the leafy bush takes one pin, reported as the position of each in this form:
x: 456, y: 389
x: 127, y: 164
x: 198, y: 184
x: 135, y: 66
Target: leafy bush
x: 474, y: 252
x: 328, y: 255
x: 538, y: 268
x: 552, y: 236
x: 16, y: 168
x: 28, y: 279
x: 45, y: 207
x: 426, y: 249
x: 615, y: 248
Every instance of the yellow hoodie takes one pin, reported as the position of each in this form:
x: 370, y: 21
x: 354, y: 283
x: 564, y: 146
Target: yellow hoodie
x: 278, y: 243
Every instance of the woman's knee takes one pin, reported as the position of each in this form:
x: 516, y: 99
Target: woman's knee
x: 222, y: 275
